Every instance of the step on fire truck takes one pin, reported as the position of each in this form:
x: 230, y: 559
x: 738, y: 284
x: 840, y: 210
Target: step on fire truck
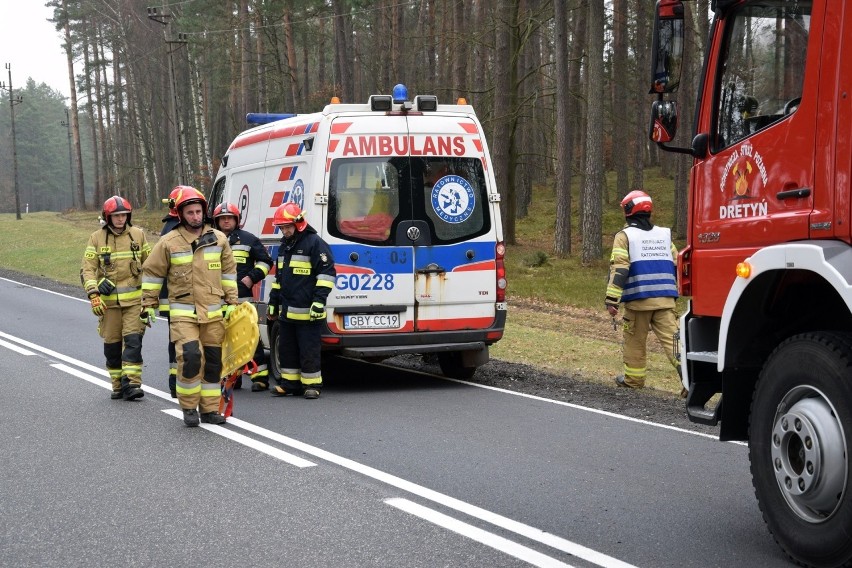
x: 766, y: 343
x: 404, y: 194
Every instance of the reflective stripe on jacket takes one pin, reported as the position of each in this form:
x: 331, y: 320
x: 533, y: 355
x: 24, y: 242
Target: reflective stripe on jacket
x: 200, y: 274
x: 304, y: 274
x: 119, y: 258
x: 652, y: 271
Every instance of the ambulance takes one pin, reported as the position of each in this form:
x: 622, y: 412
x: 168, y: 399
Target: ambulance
x: 403, y: 192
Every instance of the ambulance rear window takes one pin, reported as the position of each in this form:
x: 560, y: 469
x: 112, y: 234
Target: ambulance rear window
x: 369, y: 197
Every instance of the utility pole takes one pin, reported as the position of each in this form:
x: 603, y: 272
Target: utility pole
x: 156, y: 15
x: 12, y: 102
x: 67, y: 124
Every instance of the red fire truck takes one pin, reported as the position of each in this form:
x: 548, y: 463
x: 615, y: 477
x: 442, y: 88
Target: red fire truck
x: 766, y: 341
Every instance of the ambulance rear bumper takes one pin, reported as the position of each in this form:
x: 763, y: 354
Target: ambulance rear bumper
x: 391, y: 344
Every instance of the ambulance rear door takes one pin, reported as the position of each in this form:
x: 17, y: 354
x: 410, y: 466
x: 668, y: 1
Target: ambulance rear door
x: 410, y: 225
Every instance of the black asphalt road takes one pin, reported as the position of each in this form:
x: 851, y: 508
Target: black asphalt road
x: 388, y: 468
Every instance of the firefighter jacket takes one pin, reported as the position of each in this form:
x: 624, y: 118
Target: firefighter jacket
x: 118, y: 258
x: 642, y: 269
x: 252, y: 260
x: 200, y: 273
x: 304, y: 274
x: 169, y: 223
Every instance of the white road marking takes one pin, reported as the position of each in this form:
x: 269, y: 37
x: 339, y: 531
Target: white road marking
x: 488, y: 539
x: 15, y: 348
x: 246, y: 441
x: 506, y: 523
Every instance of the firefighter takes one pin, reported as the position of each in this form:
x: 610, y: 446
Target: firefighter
x: 642, y: 276
x: 304, y: 277
x: 111, y: 274
x: 253, y: 264
x: 196, y: 263
x: 170, y: 221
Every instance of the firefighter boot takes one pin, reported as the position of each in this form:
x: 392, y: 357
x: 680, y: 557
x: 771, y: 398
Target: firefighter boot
x: 190, y: 417
x: 311, y: 393
x: 212, y: 418
x: 258, y: 386
x: 173, y: 385
x: 130, y: 391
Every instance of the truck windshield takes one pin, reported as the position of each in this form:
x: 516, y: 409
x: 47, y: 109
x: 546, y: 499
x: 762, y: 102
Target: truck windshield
x: 762, y: 68
x: 368, y: 197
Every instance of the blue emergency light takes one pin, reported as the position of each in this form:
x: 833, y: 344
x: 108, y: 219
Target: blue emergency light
x: 400, y: 94
x: 266, y: 117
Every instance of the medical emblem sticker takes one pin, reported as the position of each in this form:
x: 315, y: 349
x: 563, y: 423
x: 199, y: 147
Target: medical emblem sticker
x: 453, y: 199
x: 297, y: 194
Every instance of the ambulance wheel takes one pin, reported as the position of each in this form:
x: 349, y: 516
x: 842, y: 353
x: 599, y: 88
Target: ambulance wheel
x: 274, y: 366
x: 799, y: 440
x: 451, y: 365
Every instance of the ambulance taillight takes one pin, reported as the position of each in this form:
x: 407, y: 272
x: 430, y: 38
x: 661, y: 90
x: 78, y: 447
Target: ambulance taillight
x: 501, y: 271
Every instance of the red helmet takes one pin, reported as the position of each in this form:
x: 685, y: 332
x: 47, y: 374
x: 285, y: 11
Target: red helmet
x: 183, y: 196
x: 170, y: 201
x: 290, y: 214
x: 225, y: 209
x: 116, y: 204
x: 636, y: 202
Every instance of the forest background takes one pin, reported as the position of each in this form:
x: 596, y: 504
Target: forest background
x: 159, y: 90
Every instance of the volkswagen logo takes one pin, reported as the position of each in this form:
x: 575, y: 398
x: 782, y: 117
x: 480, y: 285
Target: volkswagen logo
x: 413, y: 233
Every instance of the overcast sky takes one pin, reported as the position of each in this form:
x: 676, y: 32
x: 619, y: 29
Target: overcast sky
x: 31, y: 46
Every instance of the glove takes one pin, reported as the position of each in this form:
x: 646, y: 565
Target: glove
x: 270, y: 313
x: 98, y: 308
x: 227, y: 310
x: 148, y: 316
x: 317, y: 311
x: 105, y: 287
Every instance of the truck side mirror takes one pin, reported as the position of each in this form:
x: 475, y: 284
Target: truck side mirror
x: 667, y: 50
x: 663, y: 121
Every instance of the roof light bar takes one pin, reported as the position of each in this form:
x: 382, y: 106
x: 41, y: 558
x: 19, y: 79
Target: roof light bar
x: 426, y: 103
x: 380, y: 102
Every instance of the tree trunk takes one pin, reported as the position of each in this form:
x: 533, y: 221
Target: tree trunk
x: 641, y: 49
x: 79, y: 193
x: 593, y: 185
x: 621, y: 122
x: 564, y: 142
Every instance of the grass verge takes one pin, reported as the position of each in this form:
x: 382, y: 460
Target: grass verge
x: 556, y: 318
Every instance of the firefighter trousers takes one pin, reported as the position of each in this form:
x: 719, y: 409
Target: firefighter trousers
x: 198, y: 347
x: 122, y: 331
x: 636, y: 326
x: 300, y: 354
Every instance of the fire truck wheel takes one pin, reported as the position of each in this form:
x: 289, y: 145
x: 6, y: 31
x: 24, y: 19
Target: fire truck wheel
x: 451, y: 365
x: 800, y: 431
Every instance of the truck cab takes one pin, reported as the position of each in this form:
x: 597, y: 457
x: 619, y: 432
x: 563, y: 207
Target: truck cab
x: 766, y: 341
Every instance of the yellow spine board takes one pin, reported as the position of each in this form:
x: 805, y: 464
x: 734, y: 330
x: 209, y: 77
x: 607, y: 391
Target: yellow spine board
x: 241, y: 336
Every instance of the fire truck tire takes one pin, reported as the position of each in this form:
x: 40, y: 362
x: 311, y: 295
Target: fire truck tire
x: 452, y: 367
x: 800, y: 431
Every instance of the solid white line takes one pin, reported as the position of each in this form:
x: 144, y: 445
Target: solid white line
x: 588, y: 409
x: 14, y: 347
x: 81, y: 375
x: 488, y: 539
x: 246, y: 441
x: 44, y: 290
x: 527, y: 531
